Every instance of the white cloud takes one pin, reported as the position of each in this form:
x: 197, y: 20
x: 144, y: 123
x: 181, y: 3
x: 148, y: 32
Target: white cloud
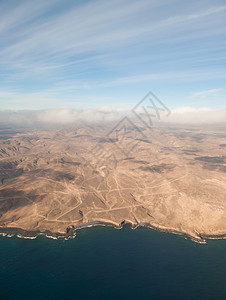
x: 190, y: 109
x: 62, y: 116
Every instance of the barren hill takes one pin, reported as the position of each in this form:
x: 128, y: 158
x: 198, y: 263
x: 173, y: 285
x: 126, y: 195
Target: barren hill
x: 167, y: 178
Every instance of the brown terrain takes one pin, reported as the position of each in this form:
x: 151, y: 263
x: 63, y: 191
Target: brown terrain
x: 170, y: 178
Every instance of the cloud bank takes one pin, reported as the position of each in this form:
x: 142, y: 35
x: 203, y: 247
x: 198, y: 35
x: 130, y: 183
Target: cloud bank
x: 202, y: 115
x: 67, y: 116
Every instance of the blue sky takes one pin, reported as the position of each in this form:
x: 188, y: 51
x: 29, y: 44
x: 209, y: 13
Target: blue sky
x: 87, y: 54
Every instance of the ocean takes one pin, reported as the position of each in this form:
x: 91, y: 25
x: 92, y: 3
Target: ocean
x: 105, y: 263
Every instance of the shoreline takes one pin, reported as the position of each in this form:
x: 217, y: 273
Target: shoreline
x: 71, y: 230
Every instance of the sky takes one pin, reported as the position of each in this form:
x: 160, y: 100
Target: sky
x: 109, y: 54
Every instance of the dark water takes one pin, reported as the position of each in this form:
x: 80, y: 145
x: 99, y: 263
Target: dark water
x: 104, y: 263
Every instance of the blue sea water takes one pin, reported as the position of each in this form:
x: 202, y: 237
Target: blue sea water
x: 105, y: 263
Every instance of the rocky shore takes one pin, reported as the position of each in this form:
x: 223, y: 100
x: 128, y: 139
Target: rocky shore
x: 71, y: 231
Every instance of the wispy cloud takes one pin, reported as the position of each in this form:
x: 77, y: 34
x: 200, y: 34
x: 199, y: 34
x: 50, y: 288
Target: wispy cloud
x: 101, y: 44
x: 207, y: 93
x: 96, y: 26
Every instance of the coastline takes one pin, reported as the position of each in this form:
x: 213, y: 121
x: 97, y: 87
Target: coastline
x: 71, y: 230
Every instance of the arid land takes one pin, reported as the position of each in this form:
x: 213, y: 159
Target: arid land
x: 169, y: 178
